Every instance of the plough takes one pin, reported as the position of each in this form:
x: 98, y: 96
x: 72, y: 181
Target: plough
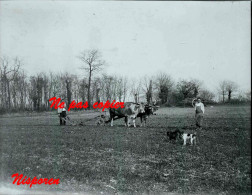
x: 100, y: 120
x: 68, y: 120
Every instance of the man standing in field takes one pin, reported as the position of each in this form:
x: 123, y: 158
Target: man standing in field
x: 199, y: 109
x: 62, y: 114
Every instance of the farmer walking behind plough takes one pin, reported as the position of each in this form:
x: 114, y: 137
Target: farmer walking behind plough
x: 199, y: 112
x: 62, y: 114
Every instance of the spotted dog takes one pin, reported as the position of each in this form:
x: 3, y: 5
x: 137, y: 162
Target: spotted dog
x: 178, y: 135
x: 189, y: 137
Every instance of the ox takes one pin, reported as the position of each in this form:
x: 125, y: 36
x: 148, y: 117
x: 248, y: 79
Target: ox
x: 148, y: 110
x: 129, y: 112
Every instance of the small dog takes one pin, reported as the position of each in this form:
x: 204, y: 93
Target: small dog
x: 189, y: 136
x: 177, y: 134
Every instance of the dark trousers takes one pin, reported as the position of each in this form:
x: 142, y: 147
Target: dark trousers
x: 63, y: 115
x: 199, y: 120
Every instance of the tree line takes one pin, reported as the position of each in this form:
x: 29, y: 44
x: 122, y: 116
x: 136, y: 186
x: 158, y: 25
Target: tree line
x: 22, y: 92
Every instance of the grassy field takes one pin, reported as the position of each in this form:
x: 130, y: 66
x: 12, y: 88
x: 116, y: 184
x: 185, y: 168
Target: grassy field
x: 119, y: 160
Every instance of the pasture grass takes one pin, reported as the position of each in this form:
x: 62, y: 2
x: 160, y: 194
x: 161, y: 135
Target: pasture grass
x: 110, y: 160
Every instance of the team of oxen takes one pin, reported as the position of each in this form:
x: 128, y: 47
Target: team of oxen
x: 131, y: 111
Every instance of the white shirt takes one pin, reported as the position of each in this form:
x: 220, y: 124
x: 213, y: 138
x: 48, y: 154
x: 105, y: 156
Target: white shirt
x: 201, y: 105
x: 62, y: 109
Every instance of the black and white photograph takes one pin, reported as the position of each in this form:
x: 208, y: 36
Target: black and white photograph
x: 125, y: 97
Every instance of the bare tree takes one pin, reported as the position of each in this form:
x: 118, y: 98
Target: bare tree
x: 108, y: 86
x: 125, y: 88
x: 164, y: 84
x: 35, y: 91
x: 68, y: 81
x: 54, y: 85
x: 196, y: 86
x: 230, y: 88
x: 222, y: 89
x: 92, y: 63
x: 148, y: 88
x: 119, y: 88
x: 76, y: 83
x: 83, y: 87
x: 8, y: 74
x: 45, y: 91
x: 189, y: 88
x: 135, y: 90
x: 22, y: 86
x: 227, y: 88
x: 97, y: 89
x: 206, y: 95
x: 114, y: 87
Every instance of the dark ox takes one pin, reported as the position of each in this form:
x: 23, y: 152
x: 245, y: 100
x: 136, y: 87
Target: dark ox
x: 148, y: 110
x: 129, y: 112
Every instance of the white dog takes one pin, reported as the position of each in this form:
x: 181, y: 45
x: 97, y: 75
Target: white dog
x: 189, y: 136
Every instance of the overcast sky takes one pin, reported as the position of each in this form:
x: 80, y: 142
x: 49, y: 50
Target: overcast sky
x: 209, y: 41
